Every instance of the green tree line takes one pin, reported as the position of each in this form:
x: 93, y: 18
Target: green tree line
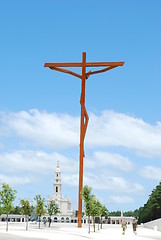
x: 152, y: 208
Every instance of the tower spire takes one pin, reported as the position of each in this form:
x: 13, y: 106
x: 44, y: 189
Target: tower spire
x: 58, y: 164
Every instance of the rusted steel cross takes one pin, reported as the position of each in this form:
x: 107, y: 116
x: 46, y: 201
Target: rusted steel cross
x: 84, y: 116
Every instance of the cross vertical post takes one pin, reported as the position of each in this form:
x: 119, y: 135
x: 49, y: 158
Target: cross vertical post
x: 82, y: 125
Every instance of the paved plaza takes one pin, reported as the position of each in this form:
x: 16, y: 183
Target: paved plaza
x: 72, y: 232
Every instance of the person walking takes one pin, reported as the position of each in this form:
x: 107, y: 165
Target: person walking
x: 124, y: 226
x: 134, y: 226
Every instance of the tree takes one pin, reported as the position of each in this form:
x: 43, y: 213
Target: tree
x: 53, y: 209
x: 115, y: 213
x: 104, y: 212
x: 16, y: 210
x: 7, y: 196
x: 152, y: 209
x: 87, y: 198
x: 99, y: 211
x: 40, y: 207
x: 0, y: 210
x: 26, y: 210
x: 94, y: 209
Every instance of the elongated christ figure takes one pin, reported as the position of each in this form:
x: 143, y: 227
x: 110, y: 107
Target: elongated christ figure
x: 84, y: 116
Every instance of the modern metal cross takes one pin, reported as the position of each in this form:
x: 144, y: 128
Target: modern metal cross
x: 84, y: 116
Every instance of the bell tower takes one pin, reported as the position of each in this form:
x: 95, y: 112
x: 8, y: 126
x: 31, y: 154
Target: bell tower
x: 57, y: 184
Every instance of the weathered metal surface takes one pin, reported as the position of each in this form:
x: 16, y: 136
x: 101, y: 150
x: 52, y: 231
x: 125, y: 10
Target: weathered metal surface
x: 84, y: 116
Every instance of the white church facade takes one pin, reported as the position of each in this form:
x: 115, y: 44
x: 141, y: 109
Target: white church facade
x: 66, y: 214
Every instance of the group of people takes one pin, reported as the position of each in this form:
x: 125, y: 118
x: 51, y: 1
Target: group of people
x: 124, y: 226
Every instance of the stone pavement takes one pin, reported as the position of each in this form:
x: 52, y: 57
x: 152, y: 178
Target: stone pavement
x: 4, y: 236
x: 69, y: 231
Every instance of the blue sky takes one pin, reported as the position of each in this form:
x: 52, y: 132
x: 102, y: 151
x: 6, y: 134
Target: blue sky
x: 40, y: 109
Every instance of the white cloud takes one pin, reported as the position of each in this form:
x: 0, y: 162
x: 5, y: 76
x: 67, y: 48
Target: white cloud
x: 151, y: 172
x: 71, y: 179
x: 28, y: 167
x: 112, y: 184
x: 62, y: 130
x: 117, y: 129
x: 103, y: 159
x: 54, y: 130
x: 40, y: 163
x: 35, y: 162
x: 121, y: 199
x: 14, y: 180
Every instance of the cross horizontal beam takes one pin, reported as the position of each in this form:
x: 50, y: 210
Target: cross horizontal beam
x: 88, y: 64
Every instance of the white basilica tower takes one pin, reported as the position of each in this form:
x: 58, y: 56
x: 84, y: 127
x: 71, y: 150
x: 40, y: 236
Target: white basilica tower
x: 57, y: 184
x: 64, y: 204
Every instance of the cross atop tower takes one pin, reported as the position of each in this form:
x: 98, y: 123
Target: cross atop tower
x: 57, y: 164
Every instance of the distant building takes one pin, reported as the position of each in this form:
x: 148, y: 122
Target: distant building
x: 117, y: 219
x: 12, y: 218
x: 66, y: 214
